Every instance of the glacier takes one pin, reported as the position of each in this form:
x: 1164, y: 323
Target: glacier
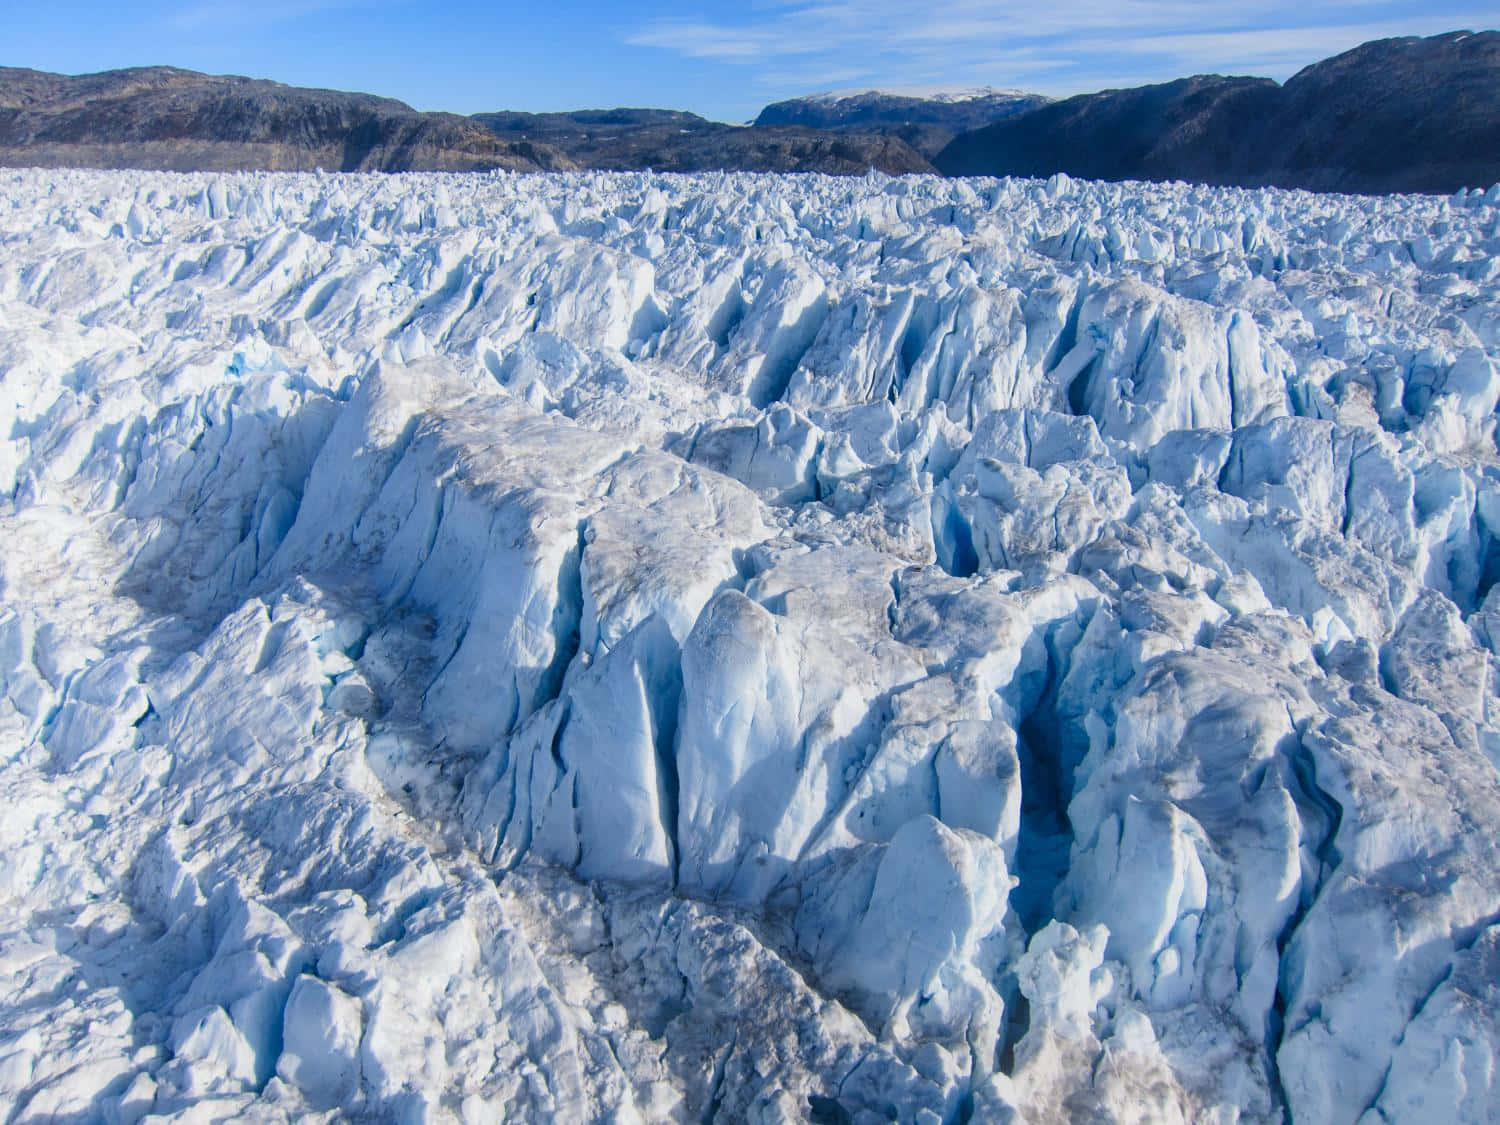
x: 746, y: 648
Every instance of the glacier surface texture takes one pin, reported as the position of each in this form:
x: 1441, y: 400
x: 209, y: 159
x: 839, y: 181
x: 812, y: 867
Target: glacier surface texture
x: 630, y: 648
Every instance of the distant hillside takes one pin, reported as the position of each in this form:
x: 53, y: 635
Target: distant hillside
x: 669, y: 141
x: 160, y: 117
x: 925, y: 123
x: 1419, y: 115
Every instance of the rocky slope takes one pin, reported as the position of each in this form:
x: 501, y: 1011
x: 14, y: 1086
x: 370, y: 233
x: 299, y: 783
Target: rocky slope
x: 164, y: 118
x: 928, y: 124
x: 1391, y: 116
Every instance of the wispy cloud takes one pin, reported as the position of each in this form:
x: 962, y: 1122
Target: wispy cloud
x: 1064, y: 46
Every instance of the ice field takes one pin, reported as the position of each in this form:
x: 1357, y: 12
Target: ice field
x: 729, y: 648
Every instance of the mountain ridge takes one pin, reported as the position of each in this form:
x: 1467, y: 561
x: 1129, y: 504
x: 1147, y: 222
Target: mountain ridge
x: 1394, y: 115
x: 634, y: 140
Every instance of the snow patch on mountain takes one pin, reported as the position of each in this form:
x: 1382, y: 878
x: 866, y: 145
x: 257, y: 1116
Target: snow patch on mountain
x: 947, y: 95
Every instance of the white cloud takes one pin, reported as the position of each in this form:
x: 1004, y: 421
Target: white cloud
x: 1064, y: 46
x: 732, y: 44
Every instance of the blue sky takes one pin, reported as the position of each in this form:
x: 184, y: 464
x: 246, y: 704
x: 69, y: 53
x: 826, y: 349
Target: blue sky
x: 722, y: 59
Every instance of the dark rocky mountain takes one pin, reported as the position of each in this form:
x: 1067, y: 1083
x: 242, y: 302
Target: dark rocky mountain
x: 1419, y: 115
x: 925, y: 123
x: 670, y: 141
x: 1397, y: 115
x: 161, y: 117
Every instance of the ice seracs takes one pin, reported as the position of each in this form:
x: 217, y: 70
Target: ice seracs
x: 640, y: 648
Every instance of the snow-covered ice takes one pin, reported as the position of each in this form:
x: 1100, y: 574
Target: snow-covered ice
x: 631, y: 648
